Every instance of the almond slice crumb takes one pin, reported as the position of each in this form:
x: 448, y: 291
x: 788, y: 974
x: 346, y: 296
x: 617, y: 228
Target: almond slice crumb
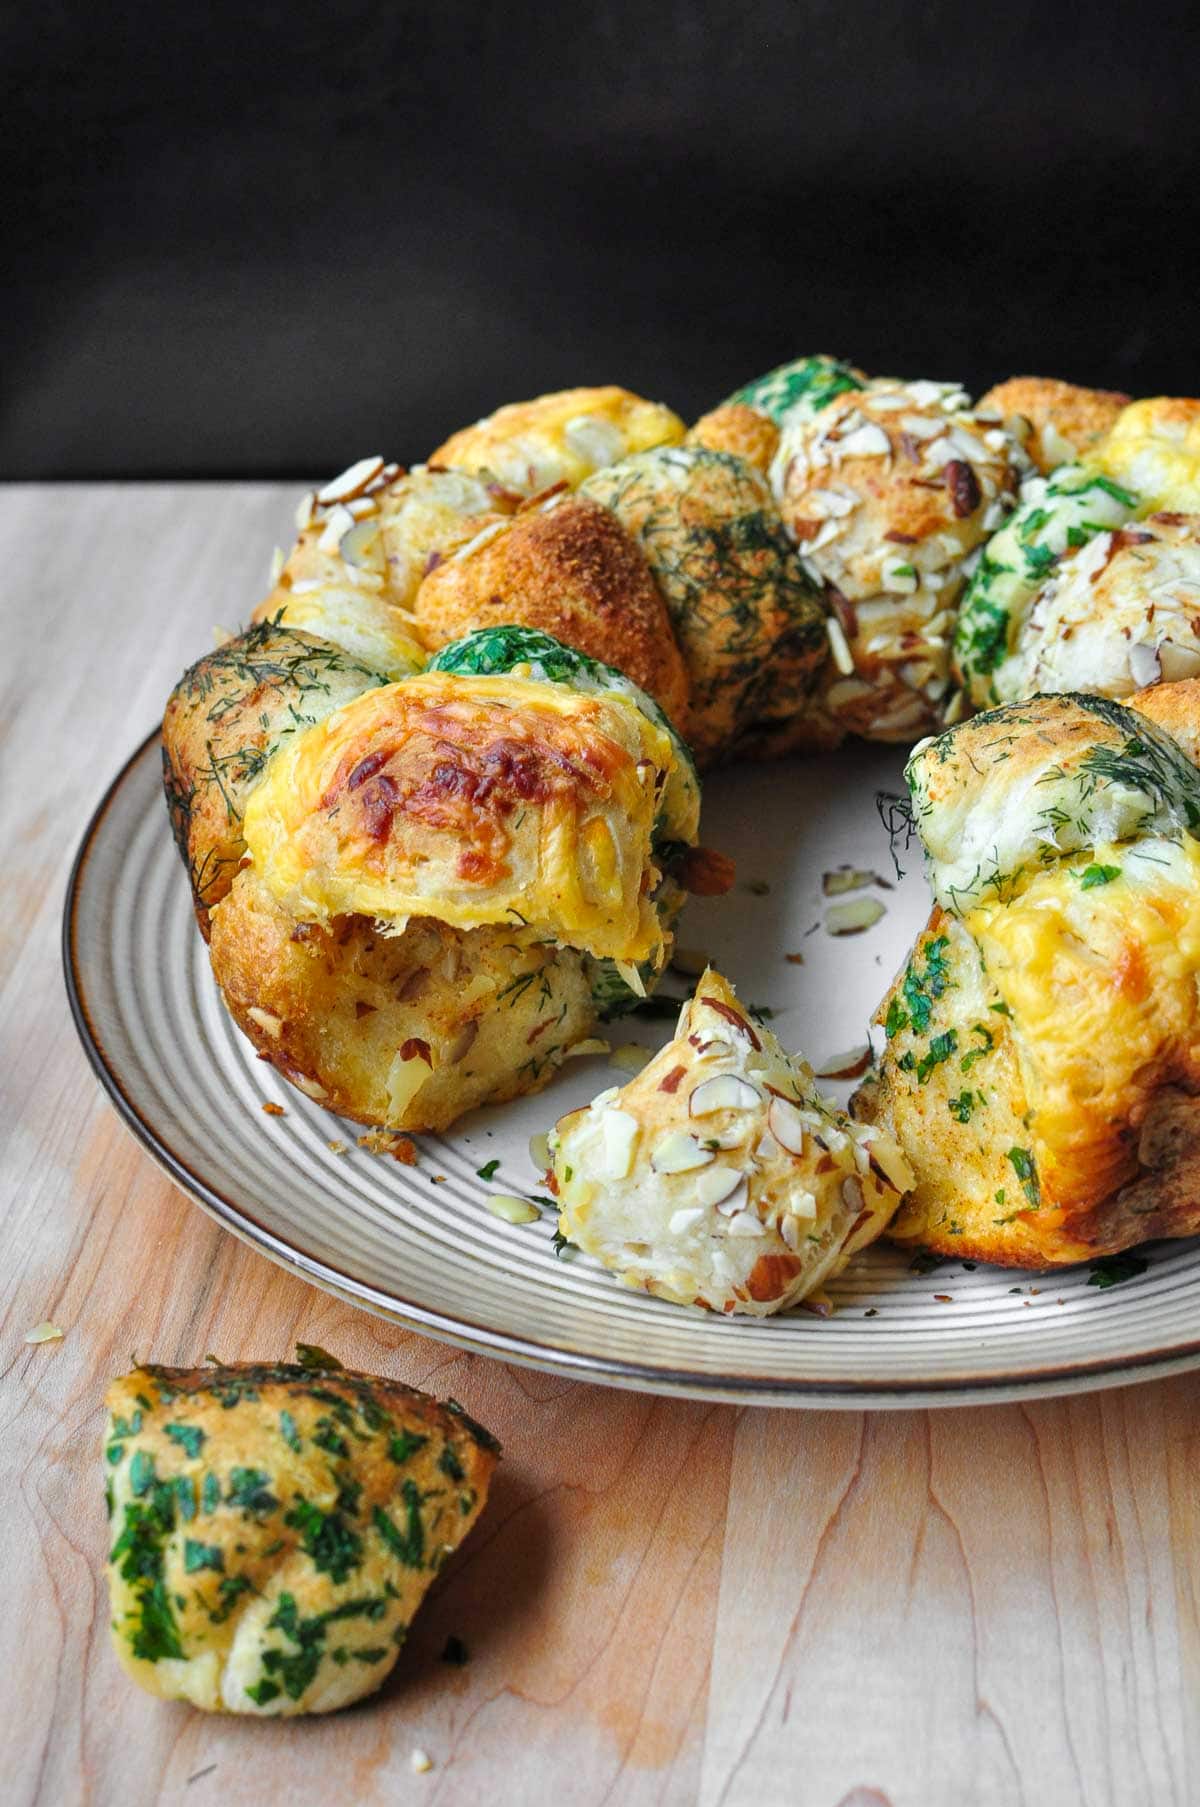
x: 45, y: 1332
x: 850, y: 1065
x: 420, y: 1762
x: 852, y: 917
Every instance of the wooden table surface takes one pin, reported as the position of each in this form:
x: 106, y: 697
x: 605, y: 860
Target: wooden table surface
x: 664, y: 1602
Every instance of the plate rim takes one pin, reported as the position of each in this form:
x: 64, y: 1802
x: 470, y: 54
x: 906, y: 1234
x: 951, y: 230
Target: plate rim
x: 815, y: 1393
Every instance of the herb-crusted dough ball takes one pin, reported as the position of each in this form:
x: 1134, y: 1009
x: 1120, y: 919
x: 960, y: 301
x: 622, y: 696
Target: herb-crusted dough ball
x: 887, y: 490
x: 274, y: 1529
x: 1057, y: 422
x: 1043, y: 1042
x: 475, y: 800
x: 745, y: 612
x: 719, y: 1176
x: 226, y: 717
x: 569, y: 568
x: 561, y: 437
x: 1120, y: 613
x: 405, y: 1031
x: 1056, y: 516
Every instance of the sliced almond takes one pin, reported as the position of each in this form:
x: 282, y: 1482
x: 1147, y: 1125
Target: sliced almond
x: 723, y: 1092
x: 356, y: 543
x: 512, y: 1209
x: 852, y: 917
x: 630, y: 1058
x: 786, y: 1125
x: 843, y: 658
x: 679, y: 1153
x: 1144, y: 665
x: 337, y: 525
x: 353, y: 481
x: 888, y: 1159
x: 684, y: 1219
x: 867, y: 441
x: 620, y: 1132
x: 591, y: 1044
x: 847, y: 878
x: 721, y: 1186
x: 539, y: 1152
x: 850, y: 1065
x: 45, y: 1332
x: 746, y: 1223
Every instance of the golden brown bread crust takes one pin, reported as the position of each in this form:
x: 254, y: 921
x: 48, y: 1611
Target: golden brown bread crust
x: 736, y: 427
x: 408, y: 1031
x: 275, y: 1527
x: 561, y: 436
x: 570, y: 569
x: 1057, y: 412
x: 224, y: 719
x: 1175, y: 707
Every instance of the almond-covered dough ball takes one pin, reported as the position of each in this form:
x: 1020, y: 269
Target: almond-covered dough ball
x: 1056, y: 422
x: 719, y: 1176
x: 746, y: 614
x: 561, y: 437
x: 887, y: 491
x: 275, y: 1528
x: 1120, y: 613
x: 748, y: 423
x: 566, y: 566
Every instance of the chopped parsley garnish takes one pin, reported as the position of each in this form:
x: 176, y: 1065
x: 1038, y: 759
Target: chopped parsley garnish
x: 488, y: 1170
x: 962, y: 1106
x: 403, y: 1445
x: 450, y: 1464
x: 288, y: 1431
x: 311, y: 1355
x: 1111, y: 1270
x: 1098, y: 875
x: 408, y: 1546
x: 940, y: 1049
x: 249, y: 1488
x: 1025, y: 1168
x: 189, y: 1437
x: 198, y: 1556
x: 333, y: 1544
x: 563, y: 1247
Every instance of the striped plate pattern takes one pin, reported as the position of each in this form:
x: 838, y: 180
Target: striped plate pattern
x: 419, y: 1245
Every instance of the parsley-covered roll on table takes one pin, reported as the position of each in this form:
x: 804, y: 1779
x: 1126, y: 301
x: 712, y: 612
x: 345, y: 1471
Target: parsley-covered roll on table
x: 719, y: 1176
x: 1042, y: 1058
x: 273, y: 1529
x: 453, y: 877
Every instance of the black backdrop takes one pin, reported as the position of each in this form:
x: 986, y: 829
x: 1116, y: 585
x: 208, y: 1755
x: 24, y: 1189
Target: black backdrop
x: 267, y: 238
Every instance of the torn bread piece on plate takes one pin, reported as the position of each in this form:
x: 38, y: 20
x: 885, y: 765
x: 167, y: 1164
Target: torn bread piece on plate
x: 719, y: 1176
x: 274, y: 1528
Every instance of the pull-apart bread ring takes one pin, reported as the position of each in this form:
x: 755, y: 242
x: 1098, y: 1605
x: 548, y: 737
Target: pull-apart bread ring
x: 1042, y: 1058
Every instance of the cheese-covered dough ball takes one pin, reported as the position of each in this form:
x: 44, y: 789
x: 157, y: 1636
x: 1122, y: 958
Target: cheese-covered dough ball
x: 1056, y: 422
x: 1041, y: 1060
x: 562, y: 437
x: 568, y: 567
x: 476, y: 800
x: 224, y: 719
x: 1153, y: 448
x: 1056, y: 516
x: 274, y: 1529
x: 719, y: 1176
x: 403, y: 1031
x: 745, y: 612
x: 887, y: 490
x: 1118, y: 614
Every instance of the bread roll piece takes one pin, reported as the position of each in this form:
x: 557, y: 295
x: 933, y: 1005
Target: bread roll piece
x: 477, y: 801
x: 887, y: 490
x: 1057, y: 515
x: 748, y: 423
x: 1118, y: 614
x: 746, y: 614
x: 719, y: 1176
x: 226, y: 717
x: 1153, y: 448
x: 1042, y: 1058
x: 562, y: 437
x: 566, y: 566
x: 275, y: 1528
x: 1057, y: 422
x: 404, y: 1031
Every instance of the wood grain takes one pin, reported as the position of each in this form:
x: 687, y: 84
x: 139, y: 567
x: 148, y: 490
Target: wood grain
x: 665, y: 1603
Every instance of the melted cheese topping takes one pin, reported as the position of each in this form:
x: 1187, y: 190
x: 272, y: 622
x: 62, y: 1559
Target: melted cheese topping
x: 1154, y: 448
x: 472, y: 800
x: 562, y: 437
x: 1101, y: 979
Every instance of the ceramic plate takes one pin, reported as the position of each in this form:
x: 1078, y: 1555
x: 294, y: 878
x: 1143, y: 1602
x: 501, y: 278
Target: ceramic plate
x: 417, y: 1244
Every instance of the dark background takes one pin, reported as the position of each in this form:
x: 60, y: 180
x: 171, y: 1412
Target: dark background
x: 268, y: 239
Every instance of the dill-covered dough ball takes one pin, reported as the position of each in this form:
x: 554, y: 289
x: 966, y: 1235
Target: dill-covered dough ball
x: 227, y: 715
x: 1042, y: 1058
x: 273, y: 1529
x: 719, y: 1176
x: 1056, y: 422
x: 567, y: 567
x: 887, y: 490
x: 746, y: 614
x: 561, y: 437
